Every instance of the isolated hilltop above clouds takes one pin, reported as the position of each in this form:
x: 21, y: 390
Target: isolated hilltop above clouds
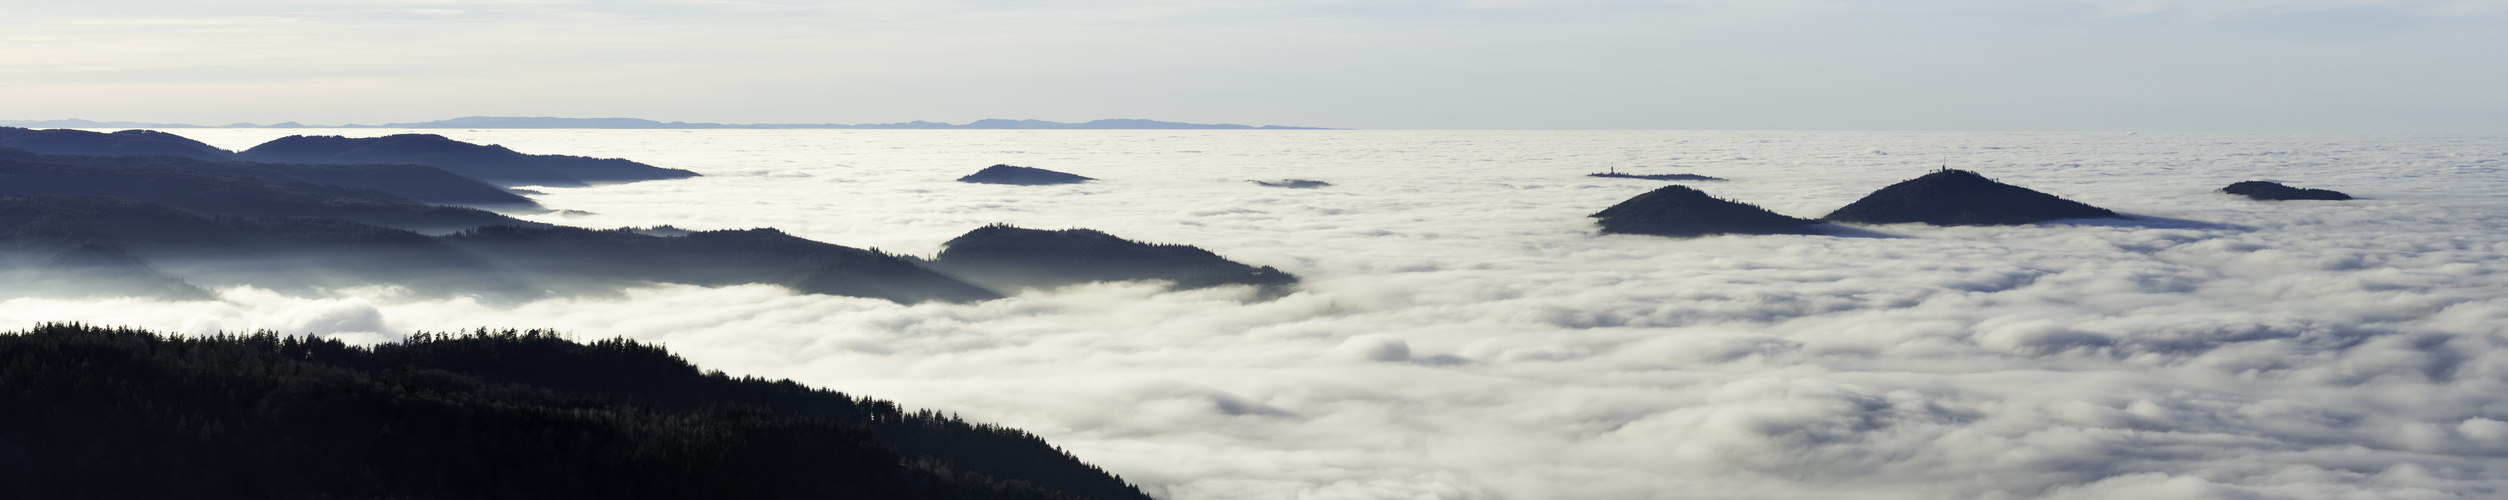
x: 1962, y: 198
x: 2274, y: 191
x: 1022, y: 176
x: 1684, y: 211
x: 1011, y: 258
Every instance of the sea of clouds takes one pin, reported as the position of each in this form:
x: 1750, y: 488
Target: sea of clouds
x: 1464, y: 332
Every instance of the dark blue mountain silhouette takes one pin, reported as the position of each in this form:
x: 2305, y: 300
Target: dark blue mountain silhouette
x: 123, y: 143
x: 1011, y: 257
x: 1022, y: 176
x: 210, y: 192
x: 1962, y: 198
x: 1682, y: 211
x: 421, y: 183
x: 491, y: 163
x: 2267, y: 190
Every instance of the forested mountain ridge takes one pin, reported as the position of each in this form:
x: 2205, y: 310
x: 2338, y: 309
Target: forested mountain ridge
x: 419, y: 183
x: 606, y: 259
x: 117, y: 413
x: 489, y: 163
x: 244, y: 195
x: 499, y: 262
x: 123, y: 143
x: 273, y: 252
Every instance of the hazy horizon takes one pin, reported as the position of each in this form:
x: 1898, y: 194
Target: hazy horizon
x: 364, y: 130
x: 2052, y: 65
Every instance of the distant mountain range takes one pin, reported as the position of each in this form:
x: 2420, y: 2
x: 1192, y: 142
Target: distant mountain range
x: 639, y: 123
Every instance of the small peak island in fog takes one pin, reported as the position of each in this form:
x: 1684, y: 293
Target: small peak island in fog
x: 1021, y: 176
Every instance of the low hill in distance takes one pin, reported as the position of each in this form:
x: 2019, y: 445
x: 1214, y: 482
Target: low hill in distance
x: 1021, y: 176
x: 1293, y: 184
x: 1963, y: 198
x: 480, y: 415
x: 2275, y: 191
x: 1682, y: 211
x: 1615, y: 174
x: 1010, y: 258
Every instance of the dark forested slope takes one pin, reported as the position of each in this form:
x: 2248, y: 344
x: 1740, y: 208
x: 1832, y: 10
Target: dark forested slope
x: 89, y: 270
x: 245, y: 195
x: 420, y: 183
x: 110, y: 413
x: 284, y: 253
x: 127, y: 142
x: 566, y: 256
x: 300, y: 253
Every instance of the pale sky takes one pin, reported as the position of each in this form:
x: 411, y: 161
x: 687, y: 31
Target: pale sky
x: 2106, y: 65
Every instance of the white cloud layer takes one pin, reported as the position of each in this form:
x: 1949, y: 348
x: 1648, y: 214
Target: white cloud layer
x: 1465, y: 334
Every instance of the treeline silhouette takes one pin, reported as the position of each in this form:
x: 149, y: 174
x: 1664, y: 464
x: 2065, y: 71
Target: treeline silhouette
x: 91, y: 412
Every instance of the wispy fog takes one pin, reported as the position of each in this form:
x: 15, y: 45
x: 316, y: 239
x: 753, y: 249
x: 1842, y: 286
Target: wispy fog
x: 1464, y: 333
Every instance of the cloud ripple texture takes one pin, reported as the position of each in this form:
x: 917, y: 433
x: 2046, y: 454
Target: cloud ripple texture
x: 1465, y: 333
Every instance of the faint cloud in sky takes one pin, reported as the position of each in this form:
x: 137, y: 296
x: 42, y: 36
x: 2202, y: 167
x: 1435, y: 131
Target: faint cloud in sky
x: 1680, y: 64
x: 2207, y: 9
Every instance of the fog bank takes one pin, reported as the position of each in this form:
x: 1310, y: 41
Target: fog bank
x: 1464, y: 332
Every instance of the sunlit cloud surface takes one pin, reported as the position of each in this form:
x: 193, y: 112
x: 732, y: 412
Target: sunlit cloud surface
x: 1464, y: 333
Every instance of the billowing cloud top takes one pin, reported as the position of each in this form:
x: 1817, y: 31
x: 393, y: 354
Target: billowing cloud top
x: 1465, y: 333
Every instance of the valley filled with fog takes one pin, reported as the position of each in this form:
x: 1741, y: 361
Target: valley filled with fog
x: 1462, y: 331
